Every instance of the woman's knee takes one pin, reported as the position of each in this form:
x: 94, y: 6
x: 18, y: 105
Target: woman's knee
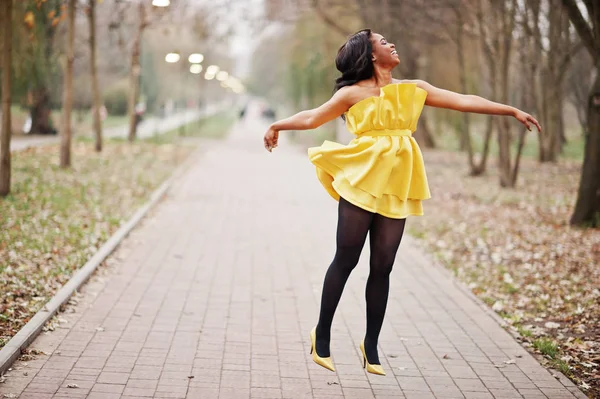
x: 347, y: 257
x: 381, y: 264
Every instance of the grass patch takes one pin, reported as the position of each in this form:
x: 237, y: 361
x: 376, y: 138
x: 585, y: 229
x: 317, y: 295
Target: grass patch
x: 511, y: 289
x: 546, y: 347
x: 524, y: 332
x: 417, y: 233
x: 562, y: 366
x: 488, y: 300
x: 573, y: 149
x: 54, y: 220
x: 213, y: 127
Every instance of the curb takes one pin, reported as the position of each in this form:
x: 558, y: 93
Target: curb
x: 12, y: 350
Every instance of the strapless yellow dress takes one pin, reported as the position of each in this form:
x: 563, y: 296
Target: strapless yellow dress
x: 382, y: 169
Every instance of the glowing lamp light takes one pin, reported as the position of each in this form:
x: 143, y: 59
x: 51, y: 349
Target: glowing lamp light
x: 222, y: 76
x: 172, y: 58
x: 209, y: 76
x: 212, y: 70
x: 161, y: 3
x: 195, y: 69
x: 195, y: 58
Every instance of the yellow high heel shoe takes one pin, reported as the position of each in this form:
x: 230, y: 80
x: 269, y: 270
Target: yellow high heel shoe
x: 321, y: 361
x: 371, y: 368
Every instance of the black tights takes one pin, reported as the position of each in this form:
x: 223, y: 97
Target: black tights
x: 384, y: 238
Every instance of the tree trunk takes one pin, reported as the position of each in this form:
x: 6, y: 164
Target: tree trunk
x: 480, y: 168
x: 465, y: 134
x: 587, y: 209
x: 515, y: 171
x: 134, y: 73
x: 96, y: 101
x: 504, y: 132
x: 553, y: 65
x: 5, y: 133
x: 489, y: 53
x: 65, y: 142
x: 40, y: 111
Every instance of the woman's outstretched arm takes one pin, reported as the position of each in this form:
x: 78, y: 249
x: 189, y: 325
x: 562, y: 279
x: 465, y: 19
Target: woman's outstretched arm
x: 441, y: 98
x: 309, y: 119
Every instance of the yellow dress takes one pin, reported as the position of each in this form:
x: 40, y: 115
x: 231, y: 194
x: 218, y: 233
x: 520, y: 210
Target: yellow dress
x: 381, y: 170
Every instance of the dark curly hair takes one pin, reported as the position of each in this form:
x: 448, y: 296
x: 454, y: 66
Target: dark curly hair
x: 354, y: 59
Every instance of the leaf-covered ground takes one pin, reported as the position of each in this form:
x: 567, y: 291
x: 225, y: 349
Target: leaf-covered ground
x: 56, y: 219
x: 515, y: 250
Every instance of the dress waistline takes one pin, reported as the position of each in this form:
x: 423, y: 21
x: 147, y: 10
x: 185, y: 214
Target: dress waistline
x: 386, y: 132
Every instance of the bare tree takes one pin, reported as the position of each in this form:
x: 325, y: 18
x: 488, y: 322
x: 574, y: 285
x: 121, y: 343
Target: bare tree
x: 6, y: 18
x: 587, y: 208
x: 459, y: 25
x: 502, y: 26
x: 96, y: 98
x: 547, y: 53
x: 66, y: 134
x: 134, y: 72
x: 579, y: 80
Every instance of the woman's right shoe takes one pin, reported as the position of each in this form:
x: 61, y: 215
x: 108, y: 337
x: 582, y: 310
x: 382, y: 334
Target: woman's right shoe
x: 321, y: 361
x: 371, y: 368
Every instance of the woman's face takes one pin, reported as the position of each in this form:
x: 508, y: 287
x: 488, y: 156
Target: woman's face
x: 384, y: 53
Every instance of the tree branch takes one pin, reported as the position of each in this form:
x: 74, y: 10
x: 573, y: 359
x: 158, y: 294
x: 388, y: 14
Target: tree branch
x: 567, y: 57
x: 328, y: 20
x: 582, y: 27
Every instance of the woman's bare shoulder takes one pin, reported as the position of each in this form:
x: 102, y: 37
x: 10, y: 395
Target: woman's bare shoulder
x: 353, y: 93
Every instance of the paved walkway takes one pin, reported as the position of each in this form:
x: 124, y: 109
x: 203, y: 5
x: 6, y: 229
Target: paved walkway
x: 215, y: 294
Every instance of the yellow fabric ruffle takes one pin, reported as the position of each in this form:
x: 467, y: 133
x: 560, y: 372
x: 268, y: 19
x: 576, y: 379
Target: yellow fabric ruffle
x: 382, y: 169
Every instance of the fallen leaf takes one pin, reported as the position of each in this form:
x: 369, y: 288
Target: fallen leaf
x: 72, y: 386
x: 551, y: 325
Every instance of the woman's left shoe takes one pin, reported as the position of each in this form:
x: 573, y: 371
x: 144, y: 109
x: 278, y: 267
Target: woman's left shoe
x: 371, y: 368
x: 321, y: 361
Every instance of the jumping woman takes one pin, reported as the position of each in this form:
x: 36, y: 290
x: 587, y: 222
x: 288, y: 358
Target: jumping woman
x: 378, y: 178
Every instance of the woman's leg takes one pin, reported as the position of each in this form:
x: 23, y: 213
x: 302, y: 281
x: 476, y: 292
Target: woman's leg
x: 353, y: 225
x: 384, y: 238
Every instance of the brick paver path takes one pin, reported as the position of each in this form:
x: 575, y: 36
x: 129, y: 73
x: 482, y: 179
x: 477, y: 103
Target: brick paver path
x: 222, y: 283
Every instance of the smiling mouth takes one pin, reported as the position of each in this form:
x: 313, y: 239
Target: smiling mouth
x: 394, y: 52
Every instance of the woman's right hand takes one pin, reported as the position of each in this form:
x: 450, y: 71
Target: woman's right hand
x: 271, y: 138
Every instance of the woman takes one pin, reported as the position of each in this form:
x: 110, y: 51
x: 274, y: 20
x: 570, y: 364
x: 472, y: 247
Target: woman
x: 379, y: 178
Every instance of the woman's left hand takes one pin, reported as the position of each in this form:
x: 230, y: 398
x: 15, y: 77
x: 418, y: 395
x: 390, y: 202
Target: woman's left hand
x: 527, y: 120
